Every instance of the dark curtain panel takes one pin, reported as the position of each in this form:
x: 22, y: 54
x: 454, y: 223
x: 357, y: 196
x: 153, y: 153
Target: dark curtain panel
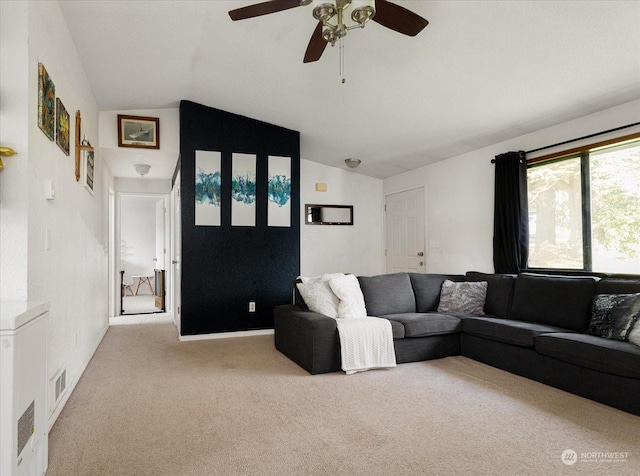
x: 511, y: 214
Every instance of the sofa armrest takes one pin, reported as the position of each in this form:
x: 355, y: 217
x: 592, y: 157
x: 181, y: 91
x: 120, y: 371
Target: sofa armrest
x: 308, y: 338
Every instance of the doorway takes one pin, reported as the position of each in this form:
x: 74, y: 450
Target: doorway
x: 141, y: 250
x: 405, y: 231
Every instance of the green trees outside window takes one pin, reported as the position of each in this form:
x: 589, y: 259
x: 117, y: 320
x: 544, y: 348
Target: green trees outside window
x: 584, y: 211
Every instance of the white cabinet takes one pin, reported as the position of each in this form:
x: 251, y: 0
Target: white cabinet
x: 23, y: 388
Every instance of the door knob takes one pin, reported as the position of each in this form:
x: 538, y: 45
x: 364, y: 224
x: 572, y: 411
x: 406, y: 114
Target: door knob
x: 421, y: 263
x: 420, y: 253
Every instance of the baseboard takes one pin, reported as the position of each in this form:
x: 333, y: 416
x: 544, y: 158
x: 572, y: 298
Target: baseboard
x: 226, y: 335
x: 56, y: 412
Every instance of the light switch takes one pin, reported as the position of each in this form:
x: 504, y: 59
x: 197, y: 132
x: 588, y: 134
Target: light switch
x: 49, y: 192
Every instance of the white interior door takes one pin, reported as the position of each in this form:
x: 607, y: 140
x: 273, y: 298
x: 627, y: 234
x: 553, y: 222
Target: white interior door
x: 160, y: 245
x: 405, y: 231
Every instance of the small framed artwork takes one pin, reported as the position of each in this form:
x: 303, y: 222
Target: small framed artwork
x: 46, y: 103
x: 88, y: 162
x: 62, y: 127
x: 78, y: 144
x: 139, y: 132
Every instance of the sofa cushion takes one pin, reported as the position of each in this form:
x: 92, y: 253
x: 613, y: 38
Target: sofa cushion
x: 387, y: 293
x: 562, y: 301
x: 614, y: 315
x: 592, y: 352
x: 467, y: 297
x: 618, y: 286
x: 499, y: 291
x: 506, y: 330
x: 426, y: 288
x: 397, y: 329
x: 426, y: 324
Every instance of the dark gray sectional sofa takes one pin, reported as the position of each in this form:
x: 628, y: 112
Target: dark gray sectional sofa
x: 534, y: 326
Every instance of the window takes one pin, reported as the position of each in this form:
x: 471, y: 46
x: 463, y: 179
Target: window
x: 584, y: 210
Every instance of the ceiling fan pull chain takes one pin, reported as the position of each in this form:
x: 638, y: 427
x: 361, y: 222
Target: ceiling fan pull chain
x: 341, y: 47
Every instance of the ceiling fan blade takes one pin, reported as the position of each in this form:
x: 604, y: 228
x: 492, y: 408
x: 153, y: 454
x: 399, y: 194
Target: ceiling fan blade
x: 263, y: 8
x: 398, y: 18
x: 316, y: 46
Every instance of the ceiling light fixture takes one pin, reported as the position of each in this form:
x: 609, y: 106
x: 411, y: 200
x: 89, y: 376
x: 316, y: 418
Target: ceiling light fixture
x: 324, y: 10
x: 142, y: 169
x: 352, y: 163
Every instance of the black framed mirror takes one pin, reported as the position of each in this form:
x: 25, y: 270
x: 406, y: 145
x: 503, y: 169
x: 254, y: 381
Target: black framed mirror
x: 328, y: 214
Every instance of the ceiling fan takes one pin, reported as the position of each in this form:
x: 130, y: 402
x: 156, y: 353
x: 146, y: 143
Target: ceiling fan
x: 385, y: 13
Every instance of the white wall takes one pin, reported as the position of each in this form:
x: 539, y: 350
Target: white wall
x: 356, y: 249
x: 143, y: 186
x: 460, y: 190
x: 72, y: 274
x: 14, y: 133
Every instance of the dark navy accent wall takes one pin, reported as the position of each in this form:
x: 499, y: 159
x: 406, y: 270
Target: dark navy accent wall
x: 225, y: 267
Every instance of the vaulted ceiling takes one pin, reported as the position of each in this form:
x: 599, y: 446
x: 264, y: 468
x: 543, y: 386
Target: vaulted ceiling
x: 480, y: 73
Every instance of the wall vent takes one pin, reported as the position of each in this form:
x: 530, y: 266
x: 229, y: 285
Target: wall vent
x: 58, y: 385
x: 61, y: 384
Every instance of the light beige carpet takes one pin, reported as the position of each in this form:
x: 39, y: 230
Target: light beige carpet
x: 150, y: 405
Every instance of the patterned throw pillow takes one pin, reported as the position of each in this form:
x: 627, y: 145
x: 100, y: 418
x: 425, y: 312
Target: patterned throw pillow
x: 614, y: 315
x: 464, y: 297
x: 318, y: 296
x: 634, y: 334
x: 347, y: 288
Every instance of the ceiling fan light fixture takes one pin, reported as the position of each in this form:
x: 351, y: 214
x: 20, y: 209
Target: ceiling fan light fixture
x: 330, y: 15
x: 324, y: 10
x: 362, y: 11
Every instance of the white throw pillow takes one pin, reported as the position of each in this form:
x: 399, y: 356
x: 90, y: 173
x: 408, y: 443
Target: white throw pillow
x: 317, y: 294
x: 347, y: 288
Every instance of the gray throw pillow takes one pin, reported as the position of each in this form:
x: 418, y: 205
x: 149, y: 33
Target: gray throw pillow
x: 614, y: 315
x: 634, y: 334
x: 465, y: 297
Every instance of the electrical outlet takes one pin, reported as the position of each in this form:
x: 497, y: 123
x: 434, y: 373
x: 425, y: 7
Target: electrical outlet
x: 252, y: 306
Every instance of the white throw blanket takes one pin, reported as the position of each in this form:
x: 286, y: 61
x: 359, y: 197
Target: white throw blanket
x: 366, y: 343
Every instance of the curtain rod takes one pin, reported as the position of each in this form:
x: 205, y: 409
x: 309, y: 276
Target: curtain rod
x: 493, y: 161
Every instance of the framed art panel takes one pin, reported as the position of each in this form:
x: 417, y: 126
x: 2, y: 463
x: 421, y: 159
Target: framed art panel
x: 46, y: 103
x: 279, y: 192
x: 62, y: 127
x: 208, y: 188
x: 139, y: 132
x: 243, y: 190
x: 88, y: 162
